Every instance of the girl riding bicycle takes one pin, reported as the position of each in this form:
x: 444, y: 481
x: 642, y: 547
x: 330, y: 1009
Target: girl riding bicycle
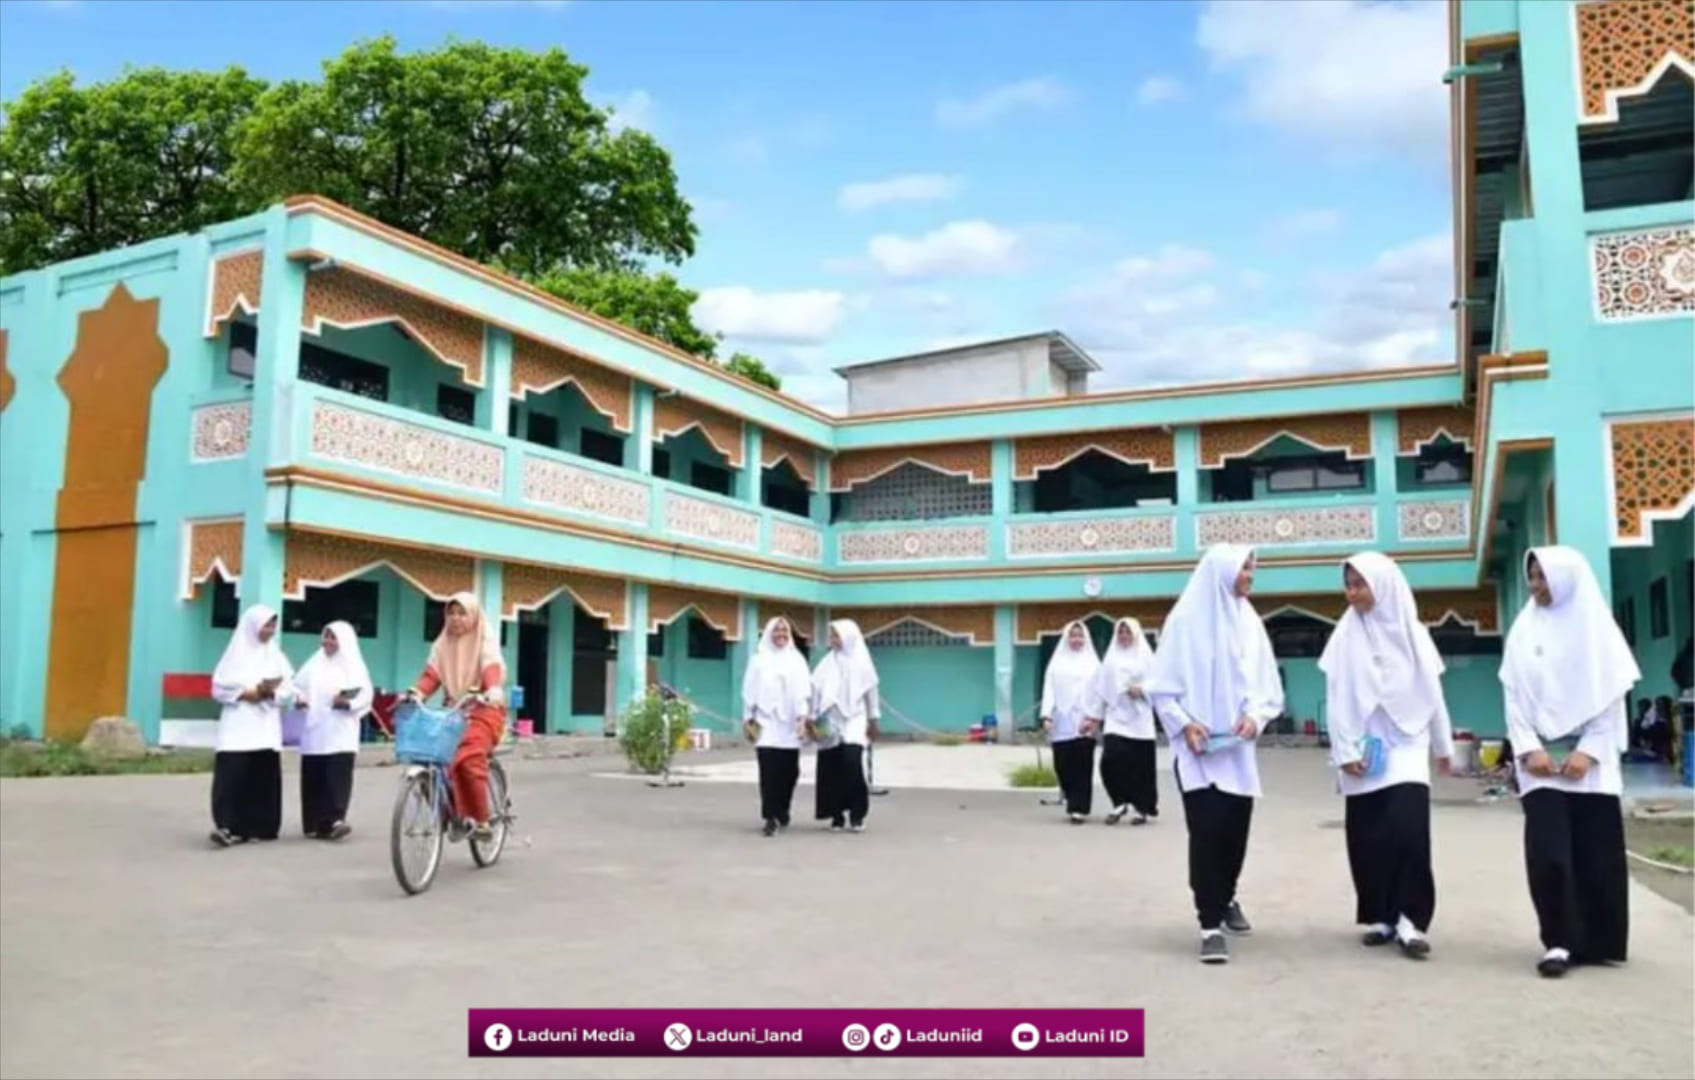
x: 466, y: 665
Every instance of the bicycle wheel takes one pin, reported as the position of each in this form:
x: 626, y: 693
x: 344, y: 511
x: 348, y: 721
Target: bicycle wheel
x: 416, y: 833
x: 485, y: 852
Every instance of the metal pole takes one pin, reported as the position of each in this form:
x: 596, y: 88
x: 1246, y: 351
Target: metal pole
x: 871, y: 770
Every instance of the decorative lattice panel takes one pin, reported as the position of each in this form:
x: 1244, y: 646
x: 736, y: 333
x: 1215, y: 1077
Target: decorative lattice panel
x: 1137, y: 446
x: 538, y: 368
x: 775, y: 446
x: 1644, y: 273
x: 1038, y: 620
x: 214, y: 547
x: 673, y: 415
x: 235, y: 287
x: 665, y: 603
x: 913, y: 493
x: 529, y: 587
x: 854, y: 467
x: 1623, y: 46
x: 320, y: 561
x: 340, y: 297
x: 974, y: 623
x: 914, y: 635
x: 1419, y: 427
x: 1653, y: 473
x: 1348, y: 432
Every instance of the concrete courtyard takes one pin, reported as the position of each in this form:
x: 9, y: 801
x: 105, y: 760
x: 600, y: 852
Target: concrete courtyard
x: 129, y: 948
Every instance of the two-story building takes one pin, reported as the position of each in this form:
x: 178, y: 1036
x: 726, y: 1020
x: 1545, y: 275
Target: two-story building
x: 312, y: 410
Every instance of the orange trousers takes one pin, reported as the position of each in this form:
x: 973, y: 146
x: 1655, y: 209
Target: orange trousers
x: 469, y: 771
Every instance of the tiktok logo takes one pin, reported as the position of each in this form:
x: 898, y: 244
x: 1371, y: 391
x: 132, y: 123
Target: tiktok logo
x: 497, y: 1037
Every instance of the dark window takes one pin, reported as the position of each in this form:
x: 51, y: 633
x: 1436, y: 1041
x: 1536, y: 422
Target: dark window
x: 599, y: 446
x: 456, y: 403
x: 787, y: 497
x: 705, y: 642
x: 710, y: 478
x: 656, y: 644
x: 338, y: 371
x: 662, y: 463
x: 1625, y: 614
x: 1314, y: 474
x: 1454, y: 638
x: 591, y: 634
x: 226, y: 609
x: 244, y: 346
x: 353, y: 602
x: 544, y: 430
x: 1450, y: 464
x: 512, y: 419
x: 1233, y: 483
x: 1294, y: 635
x: 1659, y: 615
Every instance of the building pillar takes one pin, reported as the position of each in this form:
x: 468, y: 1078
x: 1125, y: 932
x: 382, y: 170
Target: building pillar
x: 631, y: 682
x: 275, y: 375
x: 747, y: 615
x: 561, y: 661
x: 1000, y: 496
x: 1186, y: 455
x: 494, y: 403
x: 1006, y: 664
x: 1385, y: 443
x: 638, y: 448
x: 820, y: 504
x: 750, y: 480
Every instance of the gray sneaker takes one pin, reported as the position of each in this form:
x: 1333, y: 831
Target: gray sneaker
x: 1235, y: 922
x: 1214, y: 949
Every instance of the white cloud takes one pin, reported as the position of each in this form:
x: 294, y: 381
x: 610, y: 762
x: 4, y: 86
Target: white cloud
x: 1163, y: 318
x: 961, y: 247
x: 1158, y: 89
x: 992, y: 104
x: 804, y: 317
x: 1354, y: 75
x: 631, y: 110
x: 1305, y: 223
x: 910, y: 187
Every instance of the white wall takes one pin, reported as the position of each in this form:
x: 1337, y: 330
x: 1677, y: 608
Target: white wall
x: 988, y: 373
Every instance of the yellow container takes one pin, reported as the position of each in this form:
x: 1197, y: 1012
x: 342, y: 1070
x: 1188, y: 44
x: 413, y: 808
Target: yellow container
x: 1489, y: 754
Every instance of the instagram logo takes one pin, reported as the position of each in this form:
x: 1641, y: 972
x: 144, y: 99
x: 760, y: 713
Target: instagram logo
x: 855, y: 1037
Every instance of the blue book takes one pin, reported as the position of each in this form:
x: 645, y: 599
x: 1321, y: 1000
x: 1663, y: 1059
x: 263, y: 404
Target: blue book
x: 1217, y: 742
x: 1372, y: 755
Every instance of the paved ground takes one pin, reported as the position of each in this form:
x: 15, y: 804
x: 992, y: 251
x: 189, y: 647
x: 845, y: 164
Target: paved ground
x: 128, y: 948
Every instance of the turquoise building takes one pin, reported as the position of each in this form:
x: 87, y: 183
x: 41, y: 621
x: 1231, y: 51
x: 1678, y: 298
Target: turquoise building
x: 308, y: 409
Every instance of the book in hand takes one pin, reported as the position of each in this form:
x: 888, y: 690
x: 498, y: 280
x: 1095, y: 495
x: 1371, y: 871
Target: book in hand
x: 1220, y: 741
x: 1372, y: 756
x: 1559, y: 751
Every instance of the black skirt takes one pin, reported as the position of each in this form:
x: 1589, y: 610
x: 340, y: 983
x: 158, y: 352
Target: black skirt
x: 842, y: 792
x: 1579, y: 879
x: 247, y: 793
x: 326, y: 788
x: 1388, y: 833
x: 1129, y: 775
x: 779, y: 770
x: 1074, y: 763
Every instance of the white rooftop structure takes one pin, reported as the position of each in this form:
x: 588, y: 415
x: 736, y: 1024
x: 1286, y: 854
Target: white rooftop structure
x: 1042, y: 365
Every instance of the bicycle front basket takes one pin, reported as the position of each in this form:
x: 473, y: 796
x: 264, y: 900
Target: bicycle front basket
x: 426, y: 736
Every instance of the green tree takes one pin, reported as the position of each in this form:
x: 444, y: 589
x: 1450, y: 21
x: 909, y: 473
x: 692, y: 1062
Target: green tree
x: 753, y: 369
x: 88, y: 168
x: 656, y: 305
x: 494, y: 153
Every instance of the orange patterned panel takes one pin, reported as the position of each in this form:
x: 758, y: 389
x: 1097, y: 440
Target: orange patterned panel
x: 665, y: 603
x: 1419, y: 427
x: 673, y: 415
x: 1653, y: 472
x: 340, y: 297
x: 1036, y: 620
x: 976, y: 622
x: 235, y: 286
x: 1239, y: 438
x: 971, y: 460
x: 1137, y: 446
x: 1326, y: 606
x: 1623, y: 44
x: 538, y: 368
x: 320, y: 561
x: 775, y: 447
x: 1477, y: 608
x: 529, y: 587
x: 214, y: 547
x: 799, y: 618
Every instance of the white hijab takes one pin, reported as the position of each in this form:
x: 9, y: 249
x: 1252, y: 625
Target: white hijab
x: 776, y: 682
x: 1214, y: 655
x: 247, y: 661
x: 323, y: 677
x: 1124, y: 665
x: 1566, y: 663
x: 846, y: 674
x: 1071, y: 671
x: 1382, y: 658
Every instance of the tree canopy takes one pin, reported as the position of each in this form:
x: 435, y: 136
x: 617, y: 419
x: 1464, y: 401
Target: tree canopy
x: 495, y: 153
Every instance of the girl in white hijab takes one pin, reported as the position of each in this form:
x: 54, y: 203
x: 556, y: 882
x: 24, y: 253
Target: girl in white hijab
x: 845, y: 703
x: 1119, y: 696
x: 1383, y: 686
x: 252, y: 682
x: 1566, y: 671
x: 336, y: 689
x: 1066, y: 690
x: 776, y: 699
x: 1214, y: 687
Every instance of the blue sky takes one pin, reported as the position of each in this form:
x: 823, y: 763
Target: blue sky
x: 1192, y: 190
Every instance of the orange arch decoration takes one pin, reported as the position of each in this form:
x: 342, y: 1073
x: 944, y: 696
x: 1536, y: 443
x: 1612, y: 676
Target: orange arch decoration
x: 527, y: 588
x: 236, y: 283
x: 665, y: 603
x: 1625, y: 46
x: 973, y: 621
x: 213, y: 547
x: 673, y: 416
x: 1037, y: 620
x: 970, y: 460
x: 538, y: 368
x: 775, y: 447
x: 1349, y: 432
x: 339, y: 297
x: 108, y: 382
x: 319, y: 561
x: 1417, y: 428
x: 1136, y: 446
x: 1653, y: 474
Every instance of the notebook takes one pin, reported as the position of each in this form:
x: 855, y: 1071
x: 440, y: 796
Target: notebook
x: 1372, y: 756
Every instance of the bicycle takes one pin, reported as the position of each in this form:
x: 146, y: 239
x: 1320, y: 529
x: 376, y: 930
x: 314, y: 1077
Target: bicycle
x: 425, y: 817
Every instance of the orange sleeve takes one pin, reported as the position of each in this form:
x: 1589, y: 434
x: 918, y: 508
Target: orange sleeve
x: 492, y: 677
x: 429, y: 682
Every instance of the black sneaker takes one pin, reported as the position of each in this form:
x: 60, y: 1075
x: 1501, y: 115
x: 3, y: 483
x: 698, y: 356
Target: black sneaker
x: 1235, y: 922
x: 1078, y: 819
x: 1415, y: 948
x: 1377, y: 935
x: 1116, y: 814
x: 770, y: 828
x: 1552, y: 967
x: 1214, y: 949
x: 338, y: 831
x: 1140, y: 819
x: 222, y: 838
x: 837, y: 824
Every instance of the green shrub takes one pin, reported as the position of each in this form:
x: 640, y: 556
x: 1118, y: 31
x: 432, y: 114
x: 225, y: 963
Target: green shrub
x: 54, y: 758
x: 947, y: 739
x: 1032, y: 775
x: 641, y: 732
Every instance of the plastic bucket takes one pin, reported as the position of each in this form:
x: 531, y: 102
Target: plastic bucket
x: 526, y: 729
